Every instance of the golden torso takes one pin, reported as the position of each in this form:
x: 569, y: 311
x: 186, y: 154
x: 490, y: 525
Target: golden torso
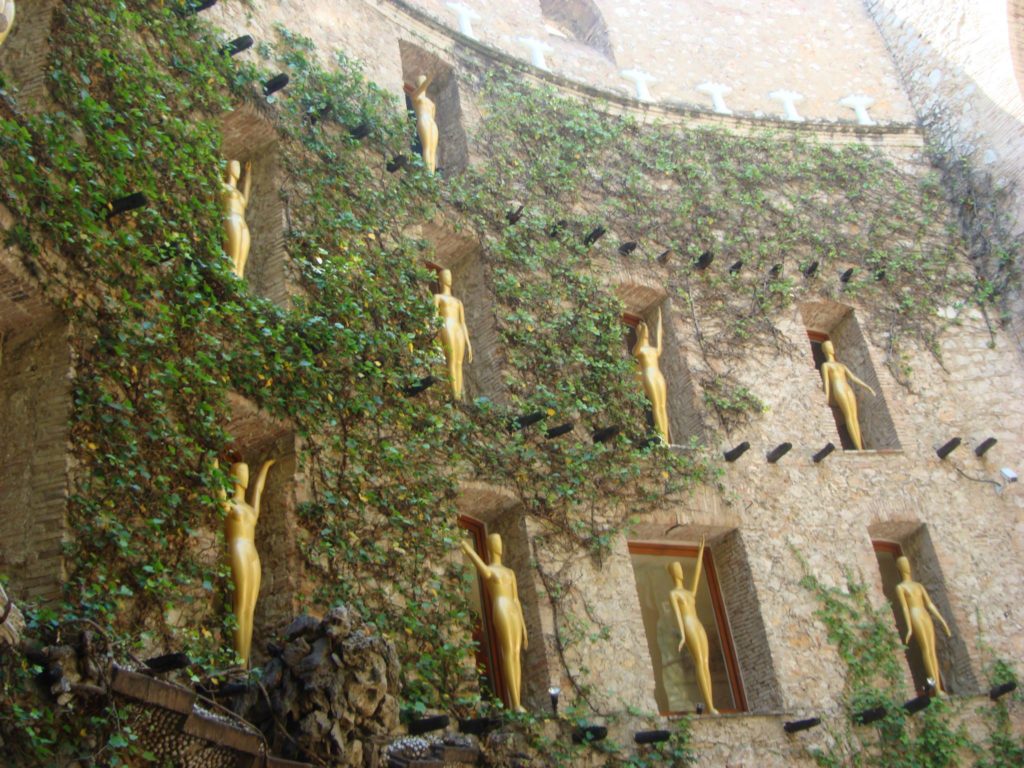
x: 232, y: 201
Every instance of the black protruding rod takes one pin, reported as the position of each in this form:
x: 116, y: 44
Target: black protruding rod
x: 194, y: 7
x: 811, y: 270
x: 823, y: 453
x: 663, y: 259
x: 516, y: 215
x: 948, y: 448
x: 236, y: 46
x: 561, y: 429
x: 778, y: 452
x: 845, y: 277
x: 736, y: 267
x: 523, y: 420
x: 868, y: 716
x: 734, y: 453
x: 479, y: 725
x: 588, y: 733
x: 627, y: 248
x: 127, y: 203
x: 704, y: 260
x: 917, y: 703
x: 984, y: 446
x: 360, y: 131
x: 168, y: 662
x: 427, y: 724
x: 1002, y: 690
x: 397, y: 163
x: 275, y: 84
x: 420, y: 386
x: 605, y: 434
x: 594, y: 235
x: 651, y: 737
x: 793, y: 726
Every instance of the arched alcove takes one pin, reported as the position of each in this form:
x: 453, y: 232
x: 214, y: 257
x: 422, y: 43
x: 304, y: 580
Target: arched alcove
x: 460, y: 253
x: 890, y: 540
x: 583, y: 21
x: 250, y: 137
x: 25, y: 54
x: 642, y: 301
x: 489, y: 509
x: 831, y: 321
x: 452, y: 149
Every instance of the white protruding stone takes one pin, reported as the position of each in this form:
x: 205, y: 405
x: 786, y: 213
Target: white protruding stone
x: 537, y: 50
x: 859, y: 105
x: 640, y: 80
x: 466, y: 16
x: 717, y: 93
x: 789, y: 100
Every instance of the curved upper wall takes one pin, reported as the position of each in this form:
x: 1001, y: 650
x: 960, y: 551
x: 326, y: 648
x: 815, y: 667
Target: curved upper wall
x: 823, y: 50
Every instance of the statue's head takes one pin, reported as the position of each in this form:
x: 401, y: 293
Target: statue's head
x: 446, y: 278
x: 240, y: 473
x: 494, y: 544
x: 421, y: 80
x: 675, y: 570
x: 903, y: 565
x: 643, y: 333
x: 234, y: 171
x: 828, y: 350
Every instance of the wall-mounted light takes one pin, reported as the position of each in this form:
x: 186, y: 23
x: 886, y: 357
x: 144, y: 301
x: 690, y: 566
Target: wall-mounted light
x: 775, y: 271
x: 734, y: 453
x: 948, y: 448
x: 651, y: 737
x: 1002, y: 690
x: 604, y: 434
x: 553, y: 693
x: 427, y: 724
x: 558, y: 431
x: 736, y: 267
x: 868, y: 716
x: 236, y: 46
x: 664, y: 257
x: 794, y: 726
x: 589, y: 733
x: 190, y: 8
x: 703, y: 261
x: 397, y: 163
x: 420, y: 386
x: 594, y: 235
x: 275, y: 84
x: 917, y: 703
x: 845, y: 277
x: 557, y: 228
x: 524, y: 420
x: 821, y: 455
x: 778, y: 452
x: 627, y: 248
x: 984, y: 446
x: 127, y: 203
x: 516, y: 215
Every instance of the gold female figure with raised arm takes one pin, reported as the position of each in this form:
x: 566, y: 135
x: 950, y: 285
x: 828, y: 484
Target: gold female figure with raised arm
x: 240, y: 530
x: 835, y: 375
x: 426, y: 119
x: 647, y: 357
x: 233, y: 203
x: 507, y: 611
x: 684, y: 603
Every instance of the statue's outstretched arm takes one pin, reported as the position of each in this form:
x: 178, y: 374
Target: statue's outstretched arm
x: 862, y: 383
x: 261, y: 480
x: 699, y: 568
x: 482, y: 568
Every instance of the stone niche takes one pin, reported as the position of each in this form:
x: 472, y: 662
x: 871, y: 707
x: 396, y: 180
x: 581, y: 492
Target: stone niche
x: 249, y: 136
x: 838, y: 323
x: 24, y: 55
x: 35, y: 409
x: 642, y: 300
x: 737, y: 599
x: 460, y: 253
x: 499, y: 511
x: 891, y: 539
x: 256, y: 437
x: 452, y: 149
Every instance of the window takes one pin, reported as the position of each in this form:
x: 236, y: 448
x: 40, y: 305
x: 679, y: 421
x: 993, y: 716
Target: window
x: 675, y: 680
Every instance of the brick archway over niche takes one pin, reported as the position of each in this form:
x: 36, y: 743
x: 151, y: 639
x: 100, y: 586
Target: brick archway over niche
x: 1015, y: 23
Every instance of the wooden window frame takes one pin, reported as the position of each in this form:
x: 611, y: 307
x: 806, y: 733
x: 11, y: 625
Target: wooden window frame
x: 663, y: 549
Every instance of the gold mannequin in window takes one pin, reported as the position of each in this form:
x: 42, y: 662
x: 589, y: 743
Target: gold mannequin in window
x: 654, y: 382
x: 507, y: 612
x: 240, y: 529
x: 426, y: 119
x: 454, y: 334
x: 6, y: 19
x: 234, y: 202
x: 916, y: 605
x: 834, y: 374
x: 684, y: 604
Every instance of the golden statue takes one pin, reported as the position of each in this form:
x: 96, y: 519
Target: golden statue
x: 507, y: 614
x: 6, y: 20
x: 454, y: 334
x: 426, y: 123
x: 653, y: 380
x: 835, y: 376
x: 916, y: 606
x: 245, y: 560
x: 684, y: 603
x: 233, y: 202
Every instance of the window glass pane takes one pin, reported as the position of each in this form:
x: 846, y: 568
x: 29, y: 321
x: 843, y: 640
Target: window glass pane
x: 675, y: 680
